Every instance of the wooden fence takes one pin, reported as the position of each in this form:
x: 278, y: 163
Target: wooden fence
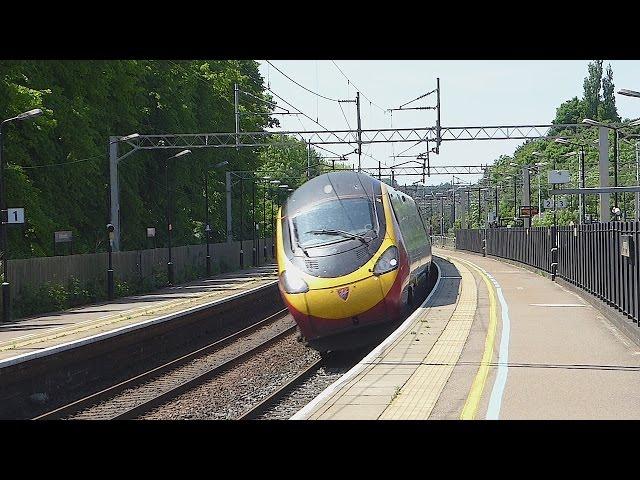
x: 136, y: 266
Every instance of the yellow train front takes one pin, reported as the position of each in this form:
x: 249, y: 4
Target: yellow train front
x: 352, y: 253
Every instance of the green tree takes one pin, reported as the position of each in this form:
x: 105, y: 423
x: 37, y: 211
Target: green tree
x: 608, y: 110
x: 591, y: 87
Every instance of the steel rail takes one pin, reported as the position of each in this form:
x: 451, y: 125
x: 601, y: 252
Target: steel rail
x: 271, y: 400
x: 112, y: 391
x: 195, y: 381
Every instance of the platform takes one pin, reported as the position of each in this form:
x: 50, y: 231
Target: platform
x: 492, y: 341
x: 22, y: 338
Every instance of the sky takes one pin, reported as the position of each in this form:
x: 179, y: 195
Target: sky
x: 473, y: 93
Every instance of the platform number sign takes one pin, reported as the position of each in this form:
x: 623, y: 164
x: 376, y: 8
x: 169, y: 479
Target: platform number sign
x: 15, y: 215
x: 560, y: 203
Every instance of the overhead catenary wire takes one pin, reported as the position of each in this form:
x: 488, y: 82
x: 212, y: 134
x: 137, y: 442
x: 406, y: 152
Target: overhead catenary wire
x: 304, y: 114
x: 302, y: 86
x: 54, y: 164
x: 354, y: 86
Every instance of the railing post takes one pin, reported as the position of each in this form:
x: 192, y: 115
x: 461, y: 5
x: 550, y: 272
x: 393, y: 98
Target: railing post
x: 483, y: 233
x: 554, y: 252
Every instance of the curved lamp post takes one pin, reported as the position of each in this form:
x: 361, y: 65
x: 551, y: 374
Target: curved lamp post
x: 6, y: 291
x: 169, y: 226
x: 207, y: 228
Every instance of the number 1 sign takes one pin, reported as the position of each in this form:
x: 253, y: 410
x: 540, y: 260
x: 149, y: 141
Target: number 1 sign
x: 15, y: 215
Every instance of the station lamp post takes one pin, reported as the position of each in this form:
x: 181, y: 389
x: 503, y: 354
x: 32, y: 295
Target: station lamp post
x: 169, y: 226
x: 515, y: 193
x: 264, y: 215
x: 541, y: 155
x: 207, y: 227
x: 629, y: 93
x: 582, y: 174
x: 111, y: 228
x: 273, y: 225
x: 538, y: 170
x: 6, y: 291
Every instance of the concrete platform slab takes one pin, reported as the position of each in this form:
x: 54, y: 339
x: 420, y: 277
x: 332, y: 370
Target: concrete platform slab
x: 39, y: 333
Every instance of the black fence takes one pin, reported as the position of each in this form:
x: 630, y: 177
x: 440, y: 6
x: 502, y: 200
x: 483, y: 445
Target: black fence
x: 601, y: 258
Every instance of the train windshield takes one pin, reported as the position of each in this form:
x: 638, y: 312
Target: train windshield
x: 335, y: 221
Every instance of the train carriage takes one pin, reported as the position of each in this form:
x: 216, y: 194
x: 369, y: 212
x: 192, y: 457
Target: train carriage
x: 353, y: 253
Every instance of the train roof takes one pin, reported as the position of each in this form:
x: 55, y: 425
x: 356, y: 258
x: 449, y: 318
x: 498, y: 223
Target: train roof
x: 334, y: 184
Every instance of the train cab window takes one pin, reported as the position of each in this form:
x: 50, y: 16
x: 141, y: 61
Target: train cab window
x: 335, y: 221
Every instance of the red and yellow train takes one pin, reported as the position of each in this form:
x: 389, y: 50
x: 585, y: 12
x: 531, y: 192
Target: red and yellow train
x: 352, y: 253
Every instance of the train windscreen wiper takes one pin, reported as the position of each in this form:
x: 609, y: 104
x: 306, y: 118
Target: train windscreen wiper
x: 343, y: 233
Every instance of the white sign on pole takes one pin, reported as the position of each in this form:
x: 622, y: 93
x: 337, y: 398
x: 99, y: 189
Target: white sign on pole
x: 15, y: 215
x: 151, y: 232
x: 559, y: 176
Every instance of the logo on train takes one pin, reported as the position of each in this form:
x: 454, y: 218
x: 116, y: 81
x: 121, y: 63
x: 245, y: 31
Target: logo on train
x: 343, y: 293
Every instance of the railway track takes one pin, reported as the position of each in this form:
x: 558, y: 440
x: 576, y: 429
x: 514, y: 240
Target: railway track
x: 259, y: 372
x: 276, y: 397
x: 140, y: 394
x: 283, y: 403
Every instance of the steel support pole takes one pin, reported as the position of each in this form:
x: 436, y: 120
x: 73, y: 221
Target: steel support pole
x: 253, y: 213
x: 110, y: 235
x: 241, y: 223
x: 309, y: 160
x: 114, y: 191
x: 169, y: 226
x: 264, y: 222
x: 468, y: 208
x: 638, y: 180
x: 603, y: 141
x: 359, y: 132
x: 515, y: 199
x: 438, y: 126
x: 207, y: 228
x: 479, y: 210
x: 615, y: 165
x: 229, y: 217
x: 554, y: 234
x: 236, y: 111
x: 273, y: 229
x: 6, y: 287
x: 453, y: 211
x: 497, y: 206
x: 442, y: 216
x: 110, y: 278
x: 539, y: 194
x: 526, y: 193
x: 582, y: 185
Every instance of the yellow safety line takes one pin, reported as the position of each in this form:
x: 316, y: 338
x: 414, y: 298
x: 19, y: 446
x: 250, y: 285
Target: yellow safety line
x: 475, y: 394
x: 81, y: 327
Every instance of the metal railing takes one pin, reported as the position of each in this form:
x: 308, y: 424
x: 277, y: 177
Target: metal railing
x: 601, y: 258
x: 443, y: 241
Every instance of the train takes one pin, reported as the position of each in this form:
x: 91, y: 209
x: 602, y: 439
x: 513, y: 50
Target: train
x: 353, y: 254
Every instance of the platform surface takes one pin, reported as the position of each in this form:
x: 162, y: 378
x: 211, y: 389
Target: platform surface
x: 44, y: 331
x: 493, y: 341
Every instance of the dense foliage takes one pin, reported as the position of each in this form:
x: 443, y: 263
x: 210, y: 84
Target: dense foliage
x: 58, y: 163
x: 597, y: 103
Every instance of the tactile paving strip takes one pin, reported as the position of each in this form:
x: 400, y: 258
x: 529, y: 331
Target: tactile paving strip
x: 417, y: 397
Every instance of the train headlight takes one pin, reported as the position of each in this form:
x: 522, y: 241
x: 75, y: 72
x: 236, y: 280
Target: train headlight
x: 387, y: 262
x: 293, y: 283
